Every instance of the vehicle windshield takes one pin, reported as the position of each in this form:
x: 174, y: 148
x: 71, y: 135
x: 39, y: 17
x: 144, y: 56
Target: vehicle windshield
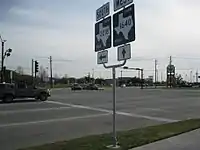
x: 99, y: 74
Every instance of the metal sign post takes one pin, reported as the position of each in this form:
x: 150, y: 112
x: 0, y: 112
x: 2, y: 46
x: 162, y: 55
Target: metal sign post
x: 114, y: 108
x: 115, y: 142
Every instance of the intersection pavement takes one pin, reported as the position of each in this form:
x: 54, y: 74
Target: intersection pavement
x: 68, y: 114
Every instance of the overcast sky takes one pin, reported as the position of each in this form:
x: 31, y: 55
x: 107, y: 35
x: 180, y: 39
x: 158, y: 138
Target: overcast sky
x: 64, y: 29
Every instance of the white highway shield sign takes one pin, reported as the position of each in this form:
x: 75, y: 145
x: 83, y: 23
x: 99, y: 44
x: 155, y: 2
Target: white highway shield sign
x: 102, y: 57
x: 121, y: 3
x: 124, y: 26
x: 124, y: 52
x: 103, y: 34
x: 103, y: 11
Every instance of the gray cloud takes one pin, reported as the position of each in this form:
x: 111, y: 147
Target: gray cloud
x: 64, y: 29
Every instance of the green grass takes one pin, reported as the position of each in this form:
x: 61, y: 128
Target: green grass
x: 127, y: 139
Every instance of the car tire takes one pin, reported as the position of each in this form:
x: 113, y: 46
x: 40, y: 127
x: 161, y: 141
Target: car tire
x: 43, y: 97
x: 8, y: 98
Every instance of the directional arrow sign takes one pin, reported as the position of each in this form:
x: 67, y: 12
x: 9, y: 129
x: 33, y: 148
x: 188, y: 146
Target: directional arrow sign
x: 102, y: 57
x: 124, y: 52
x: 103, y: 34
x: 124, y: 26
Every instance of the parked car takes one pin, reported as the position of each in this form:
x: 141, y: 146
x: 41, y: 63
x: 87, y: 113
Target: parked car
x: 91, y: 87
x: 76, y: 87
x: 9, y: 92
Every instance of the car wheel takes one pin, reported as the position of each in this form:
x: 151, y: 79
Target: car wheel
x: 43, y: 97
x: 8, y: 99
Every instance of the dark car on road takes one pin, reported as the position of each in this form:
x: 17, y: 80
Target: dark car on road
x: 91, y: 87
x: 9, y: 92
x: 76, y: 87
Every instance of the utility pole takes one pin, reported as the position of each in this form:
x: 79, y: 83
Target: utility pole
x: 93, y: 73
x: 155, y: 72
x: 138, y: 73
x: 32, y: 71
x: 121, y: 77
x: 93, y: 76
x: 142, y: 78
x: 2, y: 59
x: 51, y: 73
x: 170, y: 72
x: 190, y: 76
x: 197, y: 76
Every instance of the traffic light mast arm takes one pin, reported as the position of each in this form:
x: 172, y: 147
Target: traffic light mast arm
x: 125, y: 67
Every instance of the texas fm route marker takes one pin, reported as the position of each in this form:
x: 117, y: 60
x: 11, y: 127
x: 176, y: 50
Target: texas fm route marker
x: 103, y: 34
x: 124, y: 26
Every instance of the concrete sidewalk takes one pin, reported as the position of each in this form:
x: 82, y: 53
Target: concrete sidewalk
x: 187, y: 141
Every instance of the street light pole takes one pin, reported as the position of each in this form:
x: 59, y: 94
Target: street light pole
x: 51, y: 72
x: 142, y: 78
x: 121, y: 77
x: 32, y: 71
x: 2, y: 59
x: 155, y: 72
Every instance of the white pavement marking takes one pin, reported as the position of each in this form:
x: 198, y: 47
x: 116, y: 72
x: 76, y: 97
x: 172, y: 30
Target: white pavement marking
x: 52, y: 120
x: 118, y: 112
x: 32, y: 110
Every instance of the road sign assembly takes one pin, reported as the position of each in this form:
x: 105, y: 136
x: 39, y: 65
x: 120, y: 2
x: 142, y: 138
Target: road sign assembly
x: 124, y: 26
x: 103, y: 11
x: 124, y: 52
x: 102, y: 57
x: 123, y: 32
x: 103, y: 34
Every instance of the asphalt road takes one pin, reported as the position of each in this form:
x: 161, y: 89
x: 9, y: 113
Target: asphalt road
x: 68, y: 114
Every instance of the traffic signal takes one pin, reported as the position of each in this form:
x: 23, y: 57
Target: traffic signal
x: 36, y: 66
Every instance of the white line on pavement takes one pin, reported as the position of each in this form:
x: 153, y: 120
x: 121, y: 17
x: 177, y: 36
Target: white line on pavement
x: 32, y: 110
x: 52, y: 120
x: 118, y: 112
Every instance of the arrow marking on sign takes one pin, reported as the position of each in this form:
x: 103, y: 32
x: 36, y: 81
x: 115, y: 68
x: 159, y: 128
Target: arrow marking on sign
x: 102, y: 57
x: 123, y: 53
x: 125, y: 30
x: 104, y: 33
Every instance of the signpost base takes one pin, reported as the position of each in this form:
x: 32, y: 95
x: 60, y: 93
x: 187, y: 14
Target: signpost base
x: 113, y: 146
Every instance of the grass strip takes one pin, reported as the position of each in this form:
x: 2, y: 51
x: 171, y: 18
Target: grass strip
x: 127, y: 139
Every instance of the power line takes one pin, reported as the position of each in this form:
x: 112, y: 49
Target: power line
x: 62, y: 60
x: 57, y: 60
x: 190, y: 58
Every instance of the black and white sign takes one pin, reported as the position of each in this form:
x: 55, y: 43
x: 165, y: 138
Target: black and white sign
x: 103, y: 34
x: 102, y: 57
x: 124, y: 52
x: 103, y: 11
x: 121, y: 3
x: 124, y: 26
